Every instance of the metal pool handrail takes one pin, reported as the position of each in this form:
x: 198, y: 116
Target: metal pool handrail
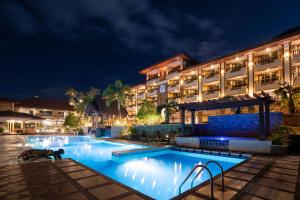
x: 222, y: 173
x: 210, y: 179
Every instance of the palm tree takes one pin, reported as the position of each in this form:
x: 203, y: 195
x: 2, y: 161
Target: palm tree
x: 116, y: 92
x: 167, y: 109
x: 288, y: 95
x: 80, y: 100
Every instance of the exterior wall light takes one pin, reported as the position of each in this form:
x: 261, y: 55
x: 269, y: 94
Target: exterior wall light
x: 287, y: 54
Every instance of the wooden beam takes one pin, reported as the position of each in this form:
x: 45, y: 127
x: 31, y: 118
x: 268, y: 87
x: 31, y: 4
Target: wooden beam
x: 182, y: 117
x: 193, y: 121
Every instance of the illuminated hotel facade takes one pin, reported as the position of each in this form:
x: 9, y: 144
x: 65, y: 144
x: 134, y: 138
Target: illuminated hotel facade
x: 181, y: 79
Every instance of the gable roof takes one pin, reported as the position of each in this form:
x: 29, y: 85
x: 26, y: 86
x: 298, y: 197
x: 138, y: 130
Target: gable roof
x: 166, y: 61
x: 5, y: 99
x: 12, y: 114
x: 53, y: 104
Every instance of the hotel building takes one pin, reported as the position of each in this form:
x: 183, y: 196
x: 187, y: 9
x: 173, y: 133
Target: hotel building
x: 181, y: 79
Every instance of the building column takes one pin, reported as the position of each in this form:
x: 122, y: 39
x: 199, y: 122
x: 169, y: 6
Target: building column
x: 250, y: 75
x: 286, y: 62
x: 200, y: 85
x: 222, y: 79
x: 193, y: 121
x: 182, y: 117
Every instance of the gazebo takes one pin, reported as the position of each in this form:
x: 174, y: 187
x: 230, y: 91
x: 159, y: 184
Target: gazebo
x: 263, y: 100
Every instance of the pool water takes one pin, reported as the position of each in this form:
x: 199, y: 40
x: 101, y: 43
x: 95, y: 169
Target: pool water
x: 157, y: 174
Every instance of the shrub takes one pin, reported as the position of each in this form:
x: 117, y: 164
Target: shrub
x: 80, y: 131
x: 1, y: 130
x: 281, y: 135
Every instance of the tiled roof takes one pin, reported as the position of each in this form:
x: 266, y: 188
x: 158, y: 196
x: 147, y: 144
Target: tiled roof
x: 54, y: 104
x: 13, y: 114
x: 6, y: 99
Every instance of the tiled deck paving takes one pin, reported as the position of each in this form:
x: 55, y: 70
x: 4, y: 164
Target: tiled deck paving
x: 261, y: 177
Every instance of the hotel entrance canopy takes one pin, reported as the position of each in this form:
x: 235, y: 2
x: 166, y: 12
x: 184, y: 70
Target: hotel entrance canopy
x: 263, y: 100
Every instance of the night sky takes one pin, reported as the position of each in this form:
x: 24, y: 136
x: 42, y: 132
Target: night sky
x: 47, y: 46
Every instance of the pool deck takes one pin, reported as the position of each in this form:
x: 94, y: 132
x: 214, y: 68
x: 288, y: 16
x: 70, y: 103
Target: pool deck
x: 261, y: 177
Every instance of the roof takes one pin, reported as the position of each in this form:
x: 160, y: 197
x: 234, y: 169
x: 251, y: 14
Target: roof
x: 166, y: 61
x: 278, y: 40
x: 290, y: 32
x: 6, y: 99
x: 228, y: 102
x: 98, y: 106
x: 12, y: 114
x: 53, y: 104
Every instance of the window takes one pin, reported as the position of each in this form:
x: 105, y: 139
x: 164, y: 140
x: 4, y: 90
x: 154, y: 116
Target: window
x: 61, y: 114
x: 31, y: 112
x: 45, y: 113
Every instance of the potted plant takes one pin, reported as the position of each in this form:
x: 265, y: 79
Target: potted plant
x: 280, y: 139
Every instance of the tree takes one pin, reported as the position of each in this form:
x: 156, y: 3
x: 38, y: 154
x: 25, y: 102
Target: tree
x: 116, y: 92
x: 288, y: 96
x: 148, y: 115
x: 80, y: 100
x: 71, y: 121
x: 167, y: 109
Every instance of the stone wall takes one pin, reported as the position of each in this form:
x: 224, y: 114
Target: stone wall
x: 239, y: 125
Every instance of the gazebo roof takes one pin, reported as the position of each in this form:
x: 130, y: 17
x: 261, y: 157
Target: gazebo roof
x: 228, y: 102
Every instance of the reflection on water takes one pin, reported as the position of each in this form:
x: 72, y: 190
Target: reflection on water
x: 156, y: 175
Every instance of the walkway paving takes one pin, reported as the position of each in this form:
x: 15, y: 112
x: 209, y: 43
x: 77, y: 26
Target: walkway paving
x: 261, y: 177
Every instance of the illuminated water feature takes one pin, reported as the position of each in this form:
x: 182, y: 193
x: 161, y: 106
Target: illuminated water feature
x: 156, y: 174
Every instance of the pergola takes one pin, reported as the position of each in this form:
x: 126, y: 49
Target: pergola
x: 263, y: 100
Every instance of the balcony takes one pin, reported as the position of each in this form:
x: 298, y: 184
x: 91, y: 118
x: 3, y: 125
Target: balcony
x: 236, y: 90
x: 267, y: 64
x: 141, y: 95
x: 152, y: 80
x: 190, y: 98
x: 296, y: 78
x: 152, y: 93
x: 236, y: 72
x: 173, y: 73
x: 174, y: 99
x: 131, y: 108
x: 210, y: 94
x: 296, y: 56
x: 173, y: 87
x: 212, y: 78
x: 189, y: 83
x: 270, y: 85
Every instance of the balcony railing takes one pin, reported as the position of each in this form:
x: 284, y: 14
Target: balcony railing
x: 141, y: 95
x: 210, y: 94
x: 173, y: 87
x: 272, y: 63
x: 211, y: 78
x: 267, y: 84
x: 236, y: 90
x: 296, y: 56
x: 174, y: 99
x: 152, y: 92
x: 152, y: 79
x: 236, y: 72
x: 296, y: 78
x: 191, y: 97
x: 190, y: 83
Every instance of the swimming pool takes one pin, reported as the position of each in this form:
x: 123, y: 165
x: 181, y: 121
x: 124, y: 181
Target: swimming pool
x: 157, y: 174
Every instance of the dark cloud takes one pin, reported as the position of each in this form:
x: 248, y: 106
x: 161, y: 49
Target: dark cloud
x: 49, y: 45
x: 135, y: 24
